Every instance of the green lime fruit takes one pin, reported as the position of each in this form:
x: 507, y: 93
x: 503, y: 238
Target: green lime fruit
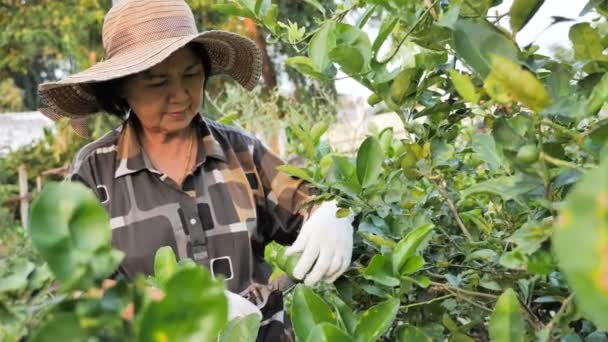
x: 374, y: 99
x: 528, y: 154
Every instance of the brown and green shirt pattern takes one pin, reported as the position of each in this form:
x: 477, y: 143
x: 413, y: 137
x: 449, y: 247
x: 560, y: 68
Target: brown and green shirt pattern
x: 230, y: 205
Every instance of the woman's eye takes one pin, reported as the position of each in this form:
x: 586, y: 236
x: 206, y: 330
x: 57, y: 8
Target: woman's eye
x: 191, y: 75
x: 156, y: 85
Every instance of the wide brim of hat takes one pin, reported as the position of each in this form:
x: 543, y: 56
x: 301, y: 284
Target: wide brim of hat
x: 230, y: 54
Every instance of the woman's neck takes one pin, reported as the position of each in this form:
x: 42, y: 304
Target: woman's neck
x: 171, y: 154
x: 161, y: 140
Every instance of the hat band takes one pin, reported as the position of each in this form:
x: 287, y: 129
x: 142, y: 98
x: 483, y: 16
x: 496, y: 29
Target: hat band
x: 149, y: 31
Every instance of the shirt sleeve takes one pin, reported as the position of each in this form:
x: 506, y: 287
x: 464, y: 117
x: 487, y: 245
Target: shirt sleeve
x: 285, y: 198
x: 80, y: 170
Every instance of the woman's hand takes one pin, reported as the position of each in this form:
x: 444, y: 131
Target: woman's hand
x: 325, y: 241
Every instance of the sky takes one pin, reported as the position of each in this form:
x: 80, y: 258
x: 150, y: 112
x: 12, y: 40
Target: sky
x: 534, y: 31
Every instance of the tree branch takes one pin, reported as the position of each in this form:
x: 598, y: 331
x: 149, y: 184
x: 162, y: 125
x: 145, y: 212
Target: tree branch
x: 429, y: 4
x: 463, y: 291
x: 454, y: 211
x: 559, y: 162
x: 386, y: 60
x: 565, y: 305
x: 426, y: 302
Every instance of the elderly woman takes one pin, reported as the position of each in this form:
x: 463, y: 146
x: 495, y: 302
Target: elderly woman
x: 168, y: 176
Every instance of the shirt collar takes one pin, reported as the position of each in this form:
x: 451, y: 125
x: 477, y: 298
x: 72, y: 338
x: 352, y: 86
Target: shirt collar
x: 132, y: 158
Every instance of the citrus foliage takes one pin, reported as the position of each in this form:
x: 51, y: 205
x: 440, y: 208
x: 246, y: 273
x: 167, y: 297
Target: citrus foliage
x: 492, y: 207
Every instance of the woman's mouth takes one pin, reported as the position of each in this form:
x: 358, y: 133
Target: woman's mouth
x: 176, y: 113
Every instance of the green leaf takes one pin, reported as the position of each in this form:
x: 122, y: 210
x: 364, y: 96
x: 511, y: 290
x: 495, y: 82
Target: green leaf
x: 448, y: 20
x: 441, y: 152
x: 352, y: 49
x: 487, y: 255
x: 364, y: 18
x: 270, y: 19
x: 460, y: 337
x: 522, y: 11
x: 508, y: 82
x: 17, y: 276
x: 386, y: 140
x: 194, y: 308
x: 343, y: 176
x: 242, y: 329
x: 410, y: 333
x: 307, y: 311
x: 507, y: 322
x: 274, y: 254
x: 514, y: 260
x: 449, y: 323
x: 249, y: 5
x: 475, y: 40
x: 294, y: 33
x: 73, y: 235
x: 346, y: 317
x: 507, y: 187
x: 261, y: 7
x: 321, y: 43
x: 380, y: 271
x: 476, y: 218
x: 580, y: 244
x: 327, y: 332
x: 317, y: 131
x: 409, y: 245
x: 388, y: 24
x: 422, y: 281
x: 165, y: 265
x: 541, y: 263
x: 485, y: 147
x: 377, y: 240
x: 412, y: 265
x: 316, y: 5
x: 375, y: 321
x: 305, y: 66
x: 530, y: 236
x: 403, y: 85
x: 369, y: 162
x: 349, y: 58
x: 464, y: 86
x: 506, y: 136
x: 587, y: 43
x: 228, y: 119
x: 233, y: 9
x: 598, y: 96
x: 63, y: 327
x: 296, y: 172
x: 477, y: 8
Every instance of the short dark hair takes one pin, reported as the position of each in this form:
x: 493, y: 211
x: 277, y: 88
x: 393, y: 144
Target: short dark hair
x: 107, y: 93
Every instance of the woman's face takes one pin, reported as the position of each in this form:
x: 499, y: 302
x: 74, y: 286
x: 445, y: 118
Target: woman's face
x: 166, y: 97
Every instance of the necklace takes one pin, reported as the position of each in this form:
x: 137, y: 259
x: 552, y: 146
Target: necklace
x: 187, y: 163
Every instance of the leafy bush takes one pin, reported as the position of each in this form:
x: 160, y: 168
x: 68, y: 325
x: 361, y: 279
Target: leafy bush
x: 76, y: 254
x: 468, y: 223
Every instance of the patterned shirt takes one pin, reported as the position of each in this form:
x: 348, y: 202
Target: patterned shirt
x: 231, y: 204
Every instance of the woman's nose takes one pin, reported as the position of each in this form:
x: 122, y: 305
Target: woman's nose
x: 178, y: 91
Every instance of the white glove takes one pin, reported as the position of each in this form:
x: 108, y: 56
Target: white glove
x: 326, y: 239
x: 240, y: 307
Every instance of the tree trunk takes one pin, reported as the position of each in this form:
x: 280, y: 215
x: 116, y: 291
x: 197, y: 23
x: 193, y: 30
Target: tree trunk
x: 268, y: 74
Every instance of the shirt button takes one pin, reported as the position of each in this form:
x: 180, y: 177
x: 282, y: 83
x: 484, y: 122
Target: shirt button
x: 192, y: 221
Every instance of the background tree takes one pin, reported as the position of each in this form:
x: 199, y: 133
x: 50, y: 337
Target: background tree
x: 43, y: 40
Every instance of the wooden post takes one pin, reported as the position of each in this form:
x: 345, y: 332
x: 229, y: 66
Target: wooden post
x: 38, y: 184
x: 23, y: 192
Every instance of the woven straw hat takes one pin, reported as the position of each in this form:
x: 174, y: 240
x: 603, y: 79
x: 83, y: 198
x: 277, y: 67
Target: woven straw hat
x: 138, y: 34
